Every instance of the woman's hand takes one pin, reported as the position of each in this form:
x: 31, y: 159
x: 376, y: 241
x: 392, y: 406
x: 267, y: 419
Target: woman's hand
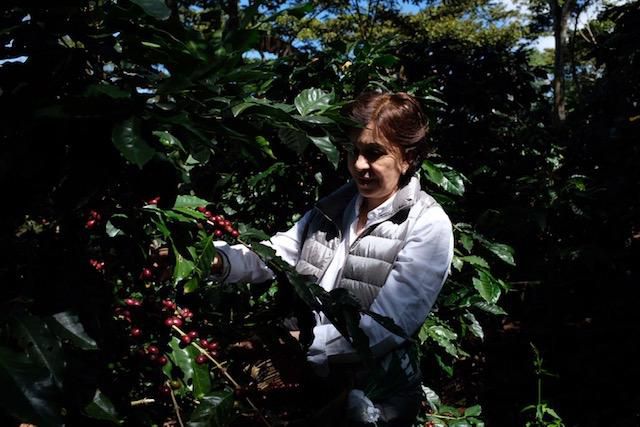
x: 216, y: 265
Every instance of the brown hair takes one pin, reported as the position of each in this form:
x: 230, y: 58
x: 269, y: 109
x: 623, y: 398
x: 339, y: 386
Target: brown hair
x: 399, y: 118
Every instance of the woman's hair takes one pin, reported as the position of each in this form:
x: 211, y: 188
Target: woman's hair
x: 399, y: 118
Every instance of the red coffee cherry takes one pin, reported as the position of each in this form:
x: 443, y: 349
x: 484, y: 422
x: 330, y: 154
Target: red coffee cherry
x: 185, y: 339
x: 201, y: 359
x: 217, y: 233
x: 213, y: 346
x: 132, y: 302
x: 192, y: 334
x: 167, y: 303
x: 152, y: 349
x: 204, y: 343
x: 201, y: 209
x: 164, y: 390
x: 162, y: 360
x: 90, y: 224
x: 146, y: 273
x: 235, y: 233
x: 136, y: 332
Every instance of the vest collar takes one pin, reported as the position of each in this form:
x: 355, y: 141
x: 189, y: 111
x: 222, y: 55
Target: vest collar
x: 335, y: 204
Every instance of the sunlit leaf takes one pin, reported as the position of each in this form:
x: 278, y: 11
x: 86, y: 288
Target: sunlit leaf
x: 156, y: 8
x: 313, y: 101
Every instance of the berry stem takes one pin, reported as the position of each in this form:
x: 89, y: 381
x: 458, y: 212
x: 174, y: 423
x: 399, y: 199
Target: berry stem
x: 175, y: 405
x: 145, y: 401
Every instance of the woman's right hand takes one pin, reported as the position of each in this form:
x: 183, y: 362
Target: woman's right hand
x: 217, y: 265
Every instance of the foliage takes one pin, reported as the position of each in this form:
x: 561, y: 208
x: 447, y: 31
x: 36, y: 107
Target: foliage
x: 543, y: 414
x: 129, y: 122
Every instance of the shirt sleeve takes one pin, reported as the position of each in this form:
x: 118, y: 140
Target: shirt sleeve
x: 407, y: 296
x: 241, y: 264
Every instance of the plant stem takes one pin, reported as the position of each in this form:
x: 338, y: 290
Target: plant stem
x: 175, y: 405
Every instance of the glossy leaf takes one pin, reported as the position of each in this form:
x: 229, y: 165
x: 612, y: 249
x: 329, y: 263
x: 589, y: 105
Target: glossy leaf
x: 474, y: 325
x: 28, y: 390
x: 101, y: 408
x: 183, y: 268
x: 215, y: 410
x: 313, y: 101
x: 195, y: 375
x: 475, y: 260
x: 156, y: 8
x: 41, y: 344
x: 444, y: 177
x: 325, y: 145
x: 127, y: 138
x: 504, y: 252
x: 187, y: 201
x: 473, y: 411
x: 67, y: 325
x: 488, y: 287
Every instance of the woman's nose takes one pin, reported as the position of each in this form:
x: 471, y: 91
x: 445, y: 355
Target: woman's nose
x: 361, y: 162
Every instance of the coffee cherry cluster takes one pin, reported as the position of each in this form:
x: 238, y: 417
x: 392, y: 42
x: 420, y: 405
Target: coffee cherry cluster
x: 218, y: 224
x: 98, y: 265
x: 93, y: 220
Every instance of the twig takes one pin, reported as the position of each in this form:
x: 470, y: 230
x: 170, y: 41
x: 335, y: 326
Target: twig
x: 175, y: 405
x: 145, y: 401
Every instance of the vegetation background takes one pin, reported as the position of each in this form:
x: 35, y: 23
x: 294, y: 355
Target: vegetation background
x: 127, y: 125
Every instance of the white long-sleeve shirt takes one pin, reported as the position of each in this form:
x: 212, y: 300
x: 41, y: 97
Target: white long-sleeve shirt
x: 407, y: 296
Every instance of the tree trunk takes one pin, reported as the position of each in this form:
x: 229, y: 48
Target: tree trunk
x: 560, y: 11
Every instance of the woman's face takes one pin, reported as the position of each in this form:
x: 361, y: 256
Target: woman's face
x: 376, y: 167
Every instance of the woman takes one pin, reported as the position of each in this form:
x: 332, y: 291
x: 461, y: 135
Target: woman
x: 380, y: 237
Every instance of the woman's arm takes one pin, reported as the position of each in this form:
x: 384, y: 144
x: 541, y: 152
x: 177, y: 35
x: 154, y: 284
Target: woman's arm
x: 407, y: 296
x: 237, y: 263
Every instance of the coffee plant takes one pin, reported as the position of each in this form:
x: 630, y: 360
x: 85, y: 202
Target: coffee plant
x: 147, y: 134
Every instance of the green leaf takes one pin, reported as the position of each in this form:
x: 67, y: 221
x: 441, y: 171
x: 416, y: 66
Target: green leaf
x: 127, y: 138
x: 250, y: 235
x: 264, y: 145
x: 28, y: 391
x: 67, y: 326
x: 474, y: 325
x: 475, y: 260
x: 191, y: 285
x: 183, y: 268
x: 432, y: 398
x: 187, y: 201
x: 467, y: 241
x: 325, y: 145
x: 155, y: 8
x: 473, y: 411
x: 101, y: 408
x: 444, y: 177
x: 294, y: 139
x: 168, y: 140
x: 196, y: 376
x: 206, y: 252
x: 215, y: 410
x: 457, y: 263
x: 504, y: 252
x: 112, y: 230
x: 489, y: 308
x: 312, y: 101
x: 41, y: 344
x: 388, y: 324
x: 487, y: 286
